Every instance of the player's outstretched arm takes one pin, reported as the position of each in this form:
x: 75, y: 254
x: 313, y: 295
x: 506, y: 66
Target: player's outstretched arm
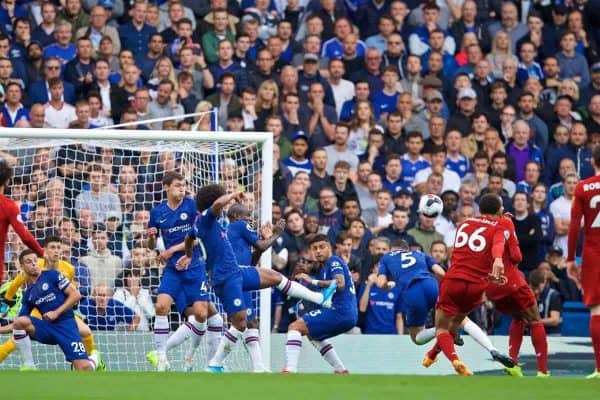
x: 263, y: 244
x: 73, y: 297
x: 438, y: 271
x: 21, y: 230
x: 221, y: 202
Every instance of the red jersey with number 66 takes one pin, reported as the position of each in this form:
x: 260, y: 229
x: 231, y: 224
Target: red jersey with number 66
x: 586, y: 204
x: 478, y: 241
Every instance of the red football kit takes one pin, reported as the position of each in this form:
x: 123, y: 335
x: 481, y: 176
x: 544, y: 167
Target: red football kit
x: 586, y: 203
x: 10, y: 216
x: 515, y: 295
x: 478, y: 241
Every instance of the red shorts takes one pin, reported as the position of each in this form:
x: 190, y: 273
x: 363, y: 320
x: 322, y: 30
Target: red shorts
x: 590, y: 281
x: 459, y: 297
x: 519, y: 300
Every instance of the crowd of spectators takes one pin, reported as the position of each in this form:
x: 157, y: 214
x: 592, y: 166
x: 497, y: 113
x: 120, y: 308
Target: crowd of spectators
x: 371, y: 103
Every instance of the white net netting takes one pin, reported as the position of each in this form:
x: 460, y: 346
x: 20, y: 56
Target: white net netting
x: 76, y: 188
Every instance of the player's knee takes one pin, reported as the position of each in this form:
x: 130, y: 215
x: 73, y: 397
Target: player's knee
x: 268, y: 277
x: 21, y: 323
x: 200, y: 315
x: 84, y: 330
x: 82, y: 365
x: 161, y: 308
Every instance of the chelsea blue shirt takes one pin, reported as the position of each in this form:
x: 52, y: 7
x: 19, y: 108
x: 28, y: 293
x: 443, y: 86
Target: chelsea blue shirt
x: 410, y: 168
x: 461, y: 166
x: 343, y: 300
x: 220, y: 258
x: 405, y: 267
x: 384, y: 305
x: 242, y: 238
x: 174, y: 225
x: 47, y: 294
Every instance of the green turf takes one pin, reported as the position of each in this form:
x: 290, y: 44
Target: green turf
x: 150, y: 386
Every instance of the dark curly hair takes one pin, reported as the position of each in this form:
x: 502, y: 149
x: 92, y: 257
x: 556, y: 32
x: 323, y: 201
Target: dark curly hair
x: 5, y: 172
x: 206, y: 196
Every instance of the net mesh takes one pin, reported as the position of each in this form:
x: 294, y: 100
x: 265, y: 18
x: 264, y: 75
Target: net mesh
x: 71, y: 188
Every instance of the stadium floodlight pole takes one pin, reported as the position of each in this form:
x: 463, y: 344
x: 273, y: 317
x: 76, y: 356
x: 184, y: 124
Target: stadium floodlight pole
x: 263, y: 139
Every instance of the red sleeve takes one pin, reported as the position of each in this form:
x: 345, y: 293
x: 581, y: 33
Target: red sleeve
x: 575, y: 224
x: 498, y: 243
x: 514, y: 250
x: 14, y: 217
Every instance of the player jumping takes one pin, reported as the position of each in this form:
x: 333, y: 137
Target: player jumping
x: 479, y: 244
x: 11, y: 216
x: 228, y: 280
x: 322, y: 324
x: 53, y: 295
x: 586, y: 204
x: 174, y: 218
x: 517, y: 299
x: 419, y: 290
x: 243, y: 238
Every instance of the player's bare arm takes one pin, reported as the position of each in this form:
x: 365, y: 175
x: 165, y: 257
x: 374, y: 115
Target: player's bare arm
x: 220, y: 203
x: 184, y: 261
x: 168, y: 253
x: 73, y: 297
x: 438, y: 272
x: 151, y: 234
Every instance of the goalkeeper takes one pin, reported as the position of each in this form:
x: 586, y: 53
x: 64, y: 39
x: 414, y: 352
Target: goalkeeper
x: 51, y: 260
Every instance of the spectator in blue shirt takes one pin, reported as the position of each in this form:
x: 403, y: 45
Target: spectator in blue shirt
x: 528, y: 67
x: 63, y: 49
x: 135, y: 34
x: 382, y: 308
x: 102, y: 313
x: 12, y: 110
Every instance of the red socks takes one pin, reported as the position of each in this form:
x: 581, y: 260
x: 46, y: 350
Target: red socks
x: 540, y: 344
x: 515, y: 338
x: 435, y: 350
x: 446, y: 343
x: 595, y: 334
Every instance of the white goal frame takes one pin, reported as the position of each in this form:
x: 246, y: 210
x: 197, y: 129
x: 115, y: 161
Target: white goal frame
x: 263, y: 138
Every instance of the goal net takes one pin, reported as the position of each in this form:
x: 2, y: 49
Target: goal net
x: 95, y: 189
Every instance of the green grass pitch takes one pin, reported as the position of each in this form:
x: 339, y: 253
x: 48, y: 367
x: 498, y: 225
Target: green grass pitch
x: 149, y: 386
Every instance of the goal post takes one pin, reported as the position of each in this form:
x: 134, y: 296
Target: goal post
x: 235, y: 159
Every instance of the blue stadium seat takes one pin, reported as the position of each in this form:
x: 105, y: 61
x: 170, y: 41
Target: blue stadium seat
x: 575, y: 319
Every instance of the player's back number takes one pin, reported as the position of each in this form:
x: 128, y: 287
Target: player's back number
x: 474, y: 241
x: 594, y: 201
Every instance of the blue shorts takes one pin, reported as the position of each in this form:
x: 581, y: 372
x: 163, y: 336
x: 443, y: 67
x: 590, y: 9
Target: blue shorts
x: 231, y: 291
x: 63, y: 333
x: 251, y: 295
x: 418, y: 299
x: 184, y: 287
x: 324, y: 323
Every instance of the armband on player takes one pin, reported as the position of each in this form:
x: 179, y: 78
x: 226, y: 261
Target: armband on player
x: 315, y: 282
x: 391, y: 285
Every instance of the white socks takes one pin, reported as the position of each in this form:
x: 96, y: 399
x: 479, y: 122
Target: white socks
x: 294, y: 289
x: 93, y: 358
x: 425, y: 336
x: 292, y: 351
x: 213, y: 335
x: 23, y: 343
x: 252, y: 343
x: 189, y: 329
x: 329, y: 354
x: 229, y: 339
x: 161, y: 333
x: 478, y: 335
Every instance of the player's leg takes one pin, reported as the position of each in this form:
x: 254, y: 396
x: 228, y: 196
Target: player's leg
x: 293, y: 346
x: 325, y: 348
x: 418, y: 300
x: 251, y: 335
x: 86, y: 335
x: 232, y: 297
x: 162, y: 328
x: 214, y: 332
x: 484, y: 341
x: 538, y: 335
x: 23, y: 329
x: 8, y: 346
x: 66, y: 335
x: 270, y: 278
x: 595, y: 334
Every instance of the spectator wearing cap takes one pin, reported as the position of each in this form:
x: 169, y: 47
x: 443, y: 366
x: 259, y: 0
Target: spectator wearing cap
x: 339, y: 150
x: 298, y: 160
x: 319, y: 178
x: 333, y: 48
x: 528, y: 230
x: 321, y: 117
x: 438, y: 165
x: 572, y: 65
x: 467, y: 105
x: 44, y: 32
x: 134, y: 35
x: 310, y: 74
x: 419, y: 39
x: 593, y: 89
x: 434, y: 102
x: 98, y: 29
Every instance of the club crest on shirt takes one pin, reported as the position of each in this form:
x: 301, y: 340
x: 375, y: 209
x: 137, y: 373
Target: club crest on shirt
x: 183, y: 216
x: 391, y: 296
x: 44, y: 286
x: 237, y: 302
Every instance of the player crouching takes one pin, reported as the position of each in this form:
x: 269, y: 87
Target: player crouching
x: 53, y: 295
